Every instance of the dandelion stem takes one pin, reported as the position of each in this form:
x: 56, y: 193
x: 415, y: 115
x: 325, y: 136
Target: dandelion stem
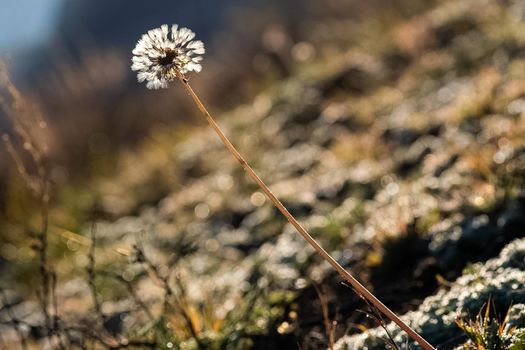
x: 302, y: 231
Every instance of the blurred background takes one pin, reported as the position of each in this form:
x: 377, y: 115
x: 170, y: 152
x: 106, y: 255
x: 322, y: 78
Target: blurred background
x: 393, y: 130
x: 73, y: 58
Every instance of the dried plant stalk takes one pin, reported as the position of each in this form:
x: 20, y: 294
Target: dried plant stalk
x: 329, y: 325
x: 365, y: 293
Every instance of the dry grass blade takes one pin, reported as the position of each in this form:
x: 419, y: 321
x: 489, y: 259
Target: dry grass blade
x: 330, y: 325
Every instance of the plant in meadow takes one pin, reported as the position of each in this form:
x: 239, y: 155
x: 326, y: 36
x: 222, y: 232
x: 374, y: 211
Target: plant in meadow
x: 161, y: 53
x: 162, y: 56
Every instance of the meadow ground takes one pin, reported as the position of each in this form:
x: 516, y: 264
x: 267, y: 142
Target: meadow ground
x: 402, y: 153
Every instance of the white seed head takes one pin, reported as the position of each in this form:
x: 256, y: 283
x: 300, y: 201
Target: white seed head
x: 160, y: 53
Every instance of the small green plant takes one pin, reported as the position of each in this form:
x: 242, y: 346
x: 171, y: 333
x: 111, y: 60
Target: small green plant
x: 487, y: 332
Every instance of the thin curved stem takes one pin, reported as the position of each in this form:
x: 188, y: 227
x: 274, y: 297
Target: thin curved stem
x: 302, y: 231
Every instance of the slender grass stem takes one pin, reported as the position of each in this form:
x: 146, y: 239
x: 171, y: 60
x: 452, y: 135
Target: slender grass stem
x: 302, y: 231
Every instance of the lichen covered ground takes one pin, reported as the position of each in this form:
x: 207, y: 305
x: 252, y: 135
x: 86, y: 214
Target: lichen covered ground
x: 402, y: 153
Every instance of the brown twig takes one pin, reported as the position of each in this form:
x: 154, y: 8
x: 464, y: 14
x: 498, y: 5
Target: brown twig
x: 92, y: 275
x: 169, y: 292
x: 129, y: 286
x: 329, y: 325
x: 376, y: 316
x: 56, y: 327
x: 42, y: 250
x: 291, y: 219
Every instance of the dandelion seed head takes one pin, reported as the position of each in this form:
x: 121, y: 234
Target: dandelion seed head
x: 161, y: 52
